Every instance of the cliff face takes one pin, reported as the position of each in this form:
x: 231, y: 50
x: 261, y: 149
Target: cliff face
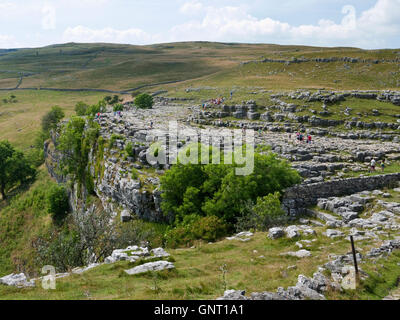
x: 113, y: 184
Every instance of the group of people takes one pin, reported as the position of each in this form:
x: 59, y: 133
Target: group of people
x: 300, y: 137
x: 217, y: 101
x: 372, y: 167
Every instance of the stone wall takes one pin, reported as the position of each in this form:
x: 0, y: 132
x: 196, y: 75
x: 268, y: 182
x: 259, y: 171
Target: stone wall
x: 296, y: 199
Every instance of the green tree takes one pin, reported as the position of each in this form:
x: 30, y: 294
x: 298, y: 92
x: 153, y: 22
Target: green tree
x: 52, y: 118
x: 75, y: 143
x: 14, y: 168
x: 216, y: 190
x: 81, y: 108
x: 115, y: 99
x: 266, y: 213
x: 70, y: 144
x: 144, y: 101
x: 270, y: 174
x: 96, y: 108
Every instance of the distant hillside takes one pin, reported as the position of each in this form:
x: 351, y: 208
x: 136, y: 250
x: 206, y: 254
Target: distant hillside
x: 123, y: 67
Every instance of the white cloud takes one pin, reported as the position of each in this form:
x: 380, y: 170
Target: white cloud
x: 49, y: 17
x: 371, y: 28
x: 84, y: 34
x: 192, y: 7
x: 235, y: 24
x: 384, y: 17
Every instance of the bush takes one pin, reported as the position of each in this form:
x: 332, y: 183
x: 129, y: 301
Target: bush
x: 15, y: 169
x: 81, y: 108
x: 178, y: 236
x: 114, y: 137
x: 144, y: 101
x: 266, y: 213
x: 134, y: 232
x: 216, y: 190
x: 118, y: 107
x: 58, y: 202
x: 130, y: 152
x: 62, y: 250
x: 113, y: 100
x: 52, y: 118
x: 210, y: 228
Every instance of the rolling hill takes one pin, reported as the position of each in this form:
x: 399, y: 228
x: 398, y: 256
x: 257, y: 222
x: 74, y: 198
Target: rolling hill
x: 125, y: 67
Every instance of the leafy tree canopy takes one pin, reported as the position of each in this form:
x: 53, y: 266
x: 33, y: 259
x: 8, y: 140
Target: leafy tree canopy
x: 52, y: 118
x: 15, y: 169
x: 144, y: 101
x: 216, y: 189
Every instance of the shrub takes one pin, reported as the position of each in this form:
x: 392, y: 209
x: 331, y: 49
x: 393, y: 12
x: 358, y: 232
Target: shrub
x: 113, y: 138
x: 96, y: 108
x: 52, y: 118
x: 75, y: 143
x: 134, y: 232
x: 178, y: 236
x: 130, y: 152
x: 81, y: 108
x: 144, y: 101
x: 134, y: 174
x: 216, y: 190
x: 118, y: 107
x: 266, y: 213
x: 210, y: 228
x: 193, y: 227
x: 58, y: 202
x: 62, y: 250
x: 113, y: 100
x: 15, y: 169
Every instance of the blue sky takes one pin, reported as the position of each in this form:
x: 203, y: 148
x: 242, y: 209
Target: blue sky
x: 360, y: 23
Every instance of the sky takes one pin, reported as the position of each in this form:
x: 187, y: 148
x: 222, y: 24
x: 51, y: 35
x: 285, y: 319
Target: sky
x: 368, y: 24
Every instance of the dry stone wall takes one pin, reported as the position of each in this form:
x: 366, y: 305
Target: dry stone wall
x: 296, y: 199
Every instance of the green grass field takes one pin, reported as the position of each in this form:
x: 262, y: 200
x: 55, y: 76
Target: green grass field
x: 198, y: 275
x: 110, y: 66
x: 20, y: 121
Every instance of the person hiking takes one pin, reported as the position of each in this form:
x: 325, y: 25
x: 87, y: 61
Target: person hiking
x: 309, y: 139
x: 383, y: 165
x: 373, y: 164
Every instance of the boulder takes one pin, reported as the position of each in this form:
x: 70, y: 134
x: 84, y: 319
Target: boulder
x: 17, y: 280
x: 159, y: 252
x: 333, y: 233
x: 151, y: 266
x: 241, y: 236
x: 299, y: 254
x: 292, y: 232
x: 234, y: 295
x: 275, y: 233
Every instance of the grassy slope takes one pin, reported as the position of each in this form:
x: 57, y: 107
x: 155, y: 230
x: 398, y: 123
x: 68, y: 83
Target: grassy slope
x: 110, y: 66
x: 198, y: 276
x: 22, y: 219
x: 19, y: 121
